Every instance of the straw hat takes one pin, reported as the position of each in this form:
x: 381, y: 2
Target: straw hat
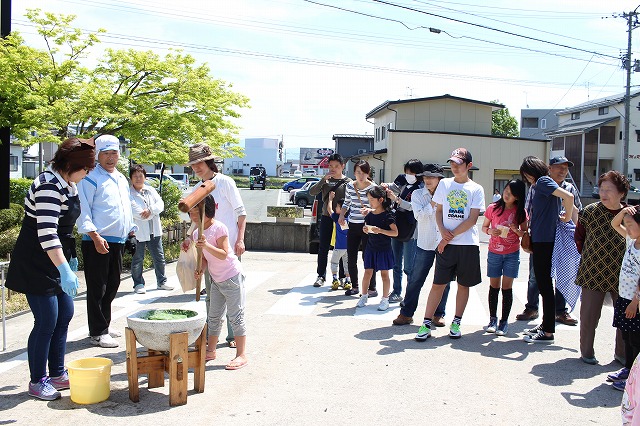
x: 199, y: 152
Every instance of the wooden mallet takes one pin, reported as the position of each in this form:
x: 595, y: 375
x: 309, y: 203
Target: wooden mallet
x: 196, y: 199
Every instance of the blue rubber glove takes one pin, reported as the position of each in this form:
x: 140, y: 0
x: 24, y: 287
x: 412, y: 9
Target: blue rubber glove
x: 73, y: 264
x: 68, y: 280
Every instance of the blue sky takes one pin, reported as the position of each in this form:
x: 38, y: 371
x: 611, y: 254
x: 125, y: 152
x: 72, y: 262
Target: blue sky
x: 312, y: 71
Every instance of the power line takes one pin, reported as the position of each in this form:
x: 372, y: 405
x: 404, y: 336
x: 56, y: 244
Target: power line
x: 435, y: 30
x: 428, y: 3
x: 157, y: 43
x: 493, y: 29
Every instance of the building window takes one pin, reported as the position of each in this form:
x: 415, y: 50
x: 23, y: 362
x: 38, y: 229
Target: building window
x: 557, y: 144
x: 13, y: 163
x: 636, y: 174
x: 575, y: 115
x: 637, y: 135
x: 608, y: 135
x: 530, y: 122
x: 603, y: 110
x: 543, y: 123
x: 383, y: 132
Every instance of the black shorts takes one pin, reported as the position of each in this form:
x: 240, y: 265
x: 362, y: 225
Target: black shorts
x: 462, y: 262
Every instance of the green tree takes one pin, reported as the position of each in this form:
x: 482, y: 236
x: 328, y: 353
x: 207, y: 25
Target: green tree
x: 39, y: 88
x: 161, y: 104
x: 503, y: 123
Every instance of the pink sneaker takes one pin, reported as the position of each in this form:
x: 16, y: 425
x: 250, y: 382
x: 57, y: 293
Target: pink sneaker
x: 61, y: 382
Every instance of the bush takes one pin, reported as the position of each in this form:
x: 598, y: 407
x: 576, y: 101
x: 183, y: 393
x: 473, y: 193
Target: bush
x: 18, y: 189
x: 11, y: 216
x: 171, y: 194
x: 8, y: 240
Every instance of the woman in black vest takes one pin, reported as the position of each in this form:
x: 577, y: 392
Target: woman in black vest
x: 44, y: 260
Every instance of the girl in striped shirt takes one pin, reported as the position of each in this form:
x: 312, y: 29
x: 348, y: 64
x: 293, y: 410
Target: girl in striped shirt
x: 355, y: 199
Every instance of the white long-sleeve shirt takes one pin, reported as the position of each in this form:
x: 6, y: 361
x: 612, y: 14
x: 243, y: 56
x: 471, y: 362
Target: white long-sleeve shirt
x: 428, y: 232
x: 146, y: 198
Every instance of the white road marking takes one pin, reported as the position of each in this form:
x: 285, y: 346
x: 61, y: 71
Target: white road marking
x: 131, y: 303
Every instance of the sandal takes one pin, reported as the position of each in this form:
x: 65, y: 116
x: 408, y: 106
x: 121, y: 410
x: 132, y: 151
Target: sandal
x: 210, y: 355
x: 236, y: 364
x: 232, y: 344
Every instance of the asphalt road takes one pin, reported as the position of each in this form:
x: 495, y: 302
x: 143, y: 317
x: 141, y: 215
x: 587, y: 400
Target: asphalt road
x: 256, y: 202
x: 315, y: 359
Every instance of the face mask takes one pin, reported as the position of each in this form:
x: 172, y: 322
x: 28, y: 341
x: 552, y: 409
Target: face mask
x: 411, y: 179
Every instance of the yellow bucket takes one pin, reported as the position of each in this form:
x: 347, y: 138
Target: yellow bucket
x: 90, y: 379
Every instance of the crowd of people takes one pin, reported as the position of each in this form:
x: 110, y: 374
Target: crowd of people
x: 83, y: 187
x: 406, y: 226
x: 592, y: 250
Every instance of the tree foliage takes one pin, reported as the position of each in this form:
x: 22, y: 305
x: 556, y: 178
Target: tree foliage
x: 503, y: 123
x: 161, y: 104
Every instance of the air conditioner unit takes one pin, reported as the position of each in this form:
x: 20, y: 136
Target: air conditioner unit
x: 361, y: 151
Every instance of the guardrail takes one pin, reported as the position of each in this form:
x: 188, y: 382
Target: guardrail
x: 3, y: 267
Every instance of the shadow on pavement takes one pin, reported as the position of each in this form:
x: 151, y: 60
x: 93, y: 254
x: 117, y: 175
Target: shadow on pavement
x: 602, y: 396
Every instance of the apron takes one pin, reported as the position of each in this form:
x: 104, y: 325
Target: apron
x: 31, y: 271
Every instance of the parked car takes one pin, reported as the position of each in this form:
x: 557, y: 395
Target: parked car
x: 298, y: 183
x: 258, y: 177
x: 167, y: 178
x: 309, y: 172
x: 301, y: 197
x: 183, y: 178
x: 633, y: 196
x: 297, y: 173
x: 285, y: 173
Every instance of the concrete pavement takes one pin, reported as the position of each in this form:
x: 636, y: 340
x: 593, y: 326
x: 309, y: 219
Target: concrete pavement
x: 315, y: 359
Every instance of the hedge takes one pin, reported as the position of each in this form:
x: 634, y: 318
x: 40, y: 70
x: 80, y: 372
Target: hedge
x: 11, y: 216
x: 8, y: 240
x: 18, y: 189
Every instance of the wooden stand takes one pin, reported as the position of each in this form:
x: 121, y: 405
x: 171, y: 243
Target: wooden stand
x: 177, y: 363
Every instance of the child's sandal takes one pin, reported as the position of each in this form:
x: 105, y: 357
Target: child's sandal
x: 210, y: 355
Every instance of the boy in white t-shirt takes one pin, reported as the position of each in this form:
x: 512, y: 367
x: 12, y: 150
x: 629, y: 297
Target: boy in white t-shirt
x: 459, y: 203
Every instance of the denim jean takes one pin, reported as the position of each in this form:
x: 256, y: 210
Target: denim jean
x: 157, y: 255
x: 533, y: 294
x: 48, y: 338
x: 423, y: 261
x: 404, y: 254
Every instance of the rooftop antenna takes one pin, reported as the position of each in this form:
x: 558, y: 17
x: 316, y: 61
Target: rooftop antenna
x: 409, y: 92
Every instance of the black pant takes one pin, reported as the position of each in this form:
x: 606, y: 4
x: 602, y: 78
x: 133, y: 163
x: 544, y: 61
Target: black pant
x: 631, y: 346
x: 326, y: 231
x: 102, y: 274
x: 542, y: 253
x: 355, y: 237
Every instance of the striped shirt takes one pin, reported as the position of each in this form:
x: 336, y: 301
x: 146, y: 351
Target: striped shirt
x: 46, y: 201
x: 352, y: 202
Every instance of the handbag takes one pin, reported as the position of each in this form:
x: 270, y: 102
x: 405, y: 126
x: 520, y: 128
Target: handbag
x: 186, y: 267
x: 525, y: 243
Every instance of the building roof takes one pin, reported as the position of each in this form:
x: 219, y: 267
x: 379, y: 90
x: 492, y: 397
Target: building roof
x: 351, y: 136
x: 597, y: 103
x: 580, y: 127
x: 386, y: 104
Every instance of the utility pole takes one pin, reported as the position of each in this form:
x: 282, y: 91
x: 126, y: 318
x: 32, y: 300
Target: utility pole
x: 5, y: 132
x: 632, y: 23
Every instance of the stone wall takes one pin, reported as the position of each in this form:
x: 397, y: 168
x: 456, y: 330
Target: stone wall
x: 277, y: 236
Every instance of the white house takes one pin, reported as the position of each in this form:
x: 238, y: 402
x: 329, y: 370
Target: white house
x: 591, y: 136
x: 263, y: 152
x: 429, y: 129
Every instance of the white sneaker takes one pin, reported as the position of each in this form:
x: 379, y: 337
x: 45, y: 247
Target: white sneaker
x: 384, y: 304
x: 363, y: 301
x: 104, y: 341
x: 165, y: 286
x: 139, y: 289
x: 113, y: 333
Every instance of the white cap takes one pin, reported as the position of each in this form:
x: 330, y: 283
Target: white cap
x: 107, y: 143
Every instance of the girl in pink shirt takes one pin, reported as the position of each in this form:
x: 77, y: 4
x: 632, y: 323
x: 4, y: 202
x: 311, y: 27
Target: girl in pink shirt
x: 505, y: 221
x: 227, y: 286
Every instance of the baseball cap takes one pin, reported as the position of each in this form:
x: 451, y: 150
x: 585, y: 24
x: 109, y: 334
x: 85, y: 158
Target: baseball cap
x: 432, y: 170
x: 107, y: 143
x: 460, y: 155
x: 560, y: 160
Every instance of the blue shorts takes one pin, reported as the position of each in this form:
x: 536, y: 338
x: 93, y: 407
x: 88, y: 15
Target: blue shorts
x: 503, y: 264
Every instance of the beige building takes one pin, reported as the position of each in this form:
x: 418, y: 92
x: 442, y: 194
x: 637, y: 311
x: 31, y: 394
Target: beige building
x: 429, y: 129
